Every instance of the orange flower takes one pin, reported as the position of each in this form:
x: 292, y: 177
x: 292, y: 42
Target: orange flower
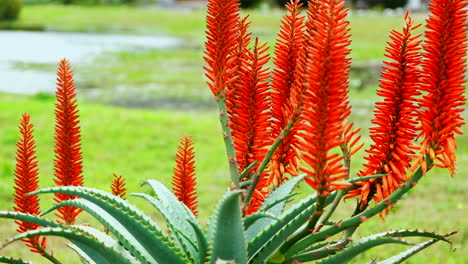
x: 118, y: 186
x: 288, y: 47
x: 68, y: 160
x: 394, y: 117
x: 26, y: 181
x: 222, y: 30
x: 326, y: 94
x: 443, y: 79
x: 183, y: 182
x: 250, y: 121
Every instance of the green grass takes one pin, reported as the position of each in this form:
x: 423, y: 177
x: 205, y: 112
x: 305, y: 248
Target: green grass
x: 141, y: 144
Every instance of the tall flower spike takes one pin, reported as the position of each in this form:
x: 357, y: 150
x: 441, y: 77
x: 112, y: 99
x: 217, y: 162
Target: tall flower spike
x: 394, y: 117
x: 222, y: 30
x: 118, y: 186
x: 287, y: 50
x: 327, y: 106
x: 26, y: 181
x: 240, y: 56
x: 252, y: 116
x: 184, y: 182
x: 68, y: 160
x: 444, y: 64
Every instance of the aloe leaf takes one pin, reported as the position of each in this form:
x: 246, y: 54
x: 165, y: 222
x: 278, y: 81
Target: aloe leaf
x: 108, y: 241
x: 97, y: 251
x: 409, y: 252
x: 201, y: 242
x: 347, y: 254
x: 228, y: 240
x: 29, y: 218
x: 282, y: 191
x: 176, y: 215
x: 154, y: 241
x: 274, y: 204
x: 408, y: 233
x: 176, y: 219
x: 120, y: 231
x: 253, y: 218
x: 84, y: 258
x: 272, y: 237
x: 13, y: 261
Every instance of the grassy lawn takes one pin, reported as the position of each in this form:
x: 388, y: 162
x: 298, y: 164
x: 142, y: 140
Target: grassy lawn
x: 141, y: 144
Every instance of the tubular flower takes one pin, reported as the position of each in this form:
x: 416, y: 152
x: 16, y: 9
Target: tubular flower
x: 251, y: 119
x: 326, y: 109
x: 183, y: 182
x: 68, y: 160
x: 26, y: 181
x: 240, y: 56
x: 118, y: 186
x: 394, y: 117
x: 288, y: 47
x: 222, y: 30
x: 444, y: 64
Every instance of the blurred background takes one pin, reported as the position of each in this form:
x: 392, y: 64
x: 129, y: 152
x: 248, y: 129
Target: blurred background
x: 141, y: 86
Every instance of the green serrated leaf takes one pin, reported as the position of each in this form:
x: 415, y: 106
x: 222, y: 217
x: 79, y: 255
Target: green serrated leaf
x: 120, y: 231
x: 98, y: 252
x: 253, y: 218
x: 267, y: 242
x: 347, y: 254
x: 229, y: 241
x: 176, y: 217
x: 397, y: 259
x: 201, y: 242
x: 107, y: 241
x: 408, y: 233
x: 138, y: 224
x: 274, y: 204
x: 13, y: 261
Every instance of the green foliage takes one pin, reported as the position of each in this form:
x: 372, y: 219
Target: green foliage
x: 10, y: 9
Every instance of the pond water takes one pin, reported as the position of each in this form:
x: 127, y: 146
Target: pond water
x: 45, y: 48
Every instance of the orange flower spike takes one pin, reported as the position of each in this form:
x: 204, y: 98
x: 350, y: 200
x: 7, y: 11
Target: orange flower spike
x: 287, y: 50
x: 184, y: 181
x: 394, y: 117
x: 327, y: 106
x: 239, y: 54
x: 444, y: 64
x: 68, y: 159
x: 118, y: 186
x: 252, y: 101
x: 222, y: 30
x: 26, y: 181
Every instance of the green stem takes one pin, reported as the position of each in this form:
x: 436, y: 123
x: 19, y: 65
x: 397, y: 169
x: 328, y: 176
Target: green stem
x: 355, y: 221
x: 47, y: 255
x: 256, y: 176
x: 309, y: 228
x: 341, y: 193
x: 228, y: 142
x: 284, y: 133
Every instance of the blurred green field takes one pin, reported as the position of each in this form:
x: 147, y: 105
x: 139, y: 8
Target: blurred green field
x: 141, y: 144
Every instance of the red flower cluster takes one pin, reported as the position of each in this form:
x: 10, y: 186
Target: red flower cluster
x: 443, y: 81
x: 184, y: 182
x: 26, y: 181
x: 288, y: 48
x: 68, y: 160
x: 118, y: 186
x: 394, y: 117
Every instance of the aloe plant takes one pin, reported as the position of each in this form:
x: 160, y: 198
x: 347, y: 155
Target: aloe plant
x: 278, y: 134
